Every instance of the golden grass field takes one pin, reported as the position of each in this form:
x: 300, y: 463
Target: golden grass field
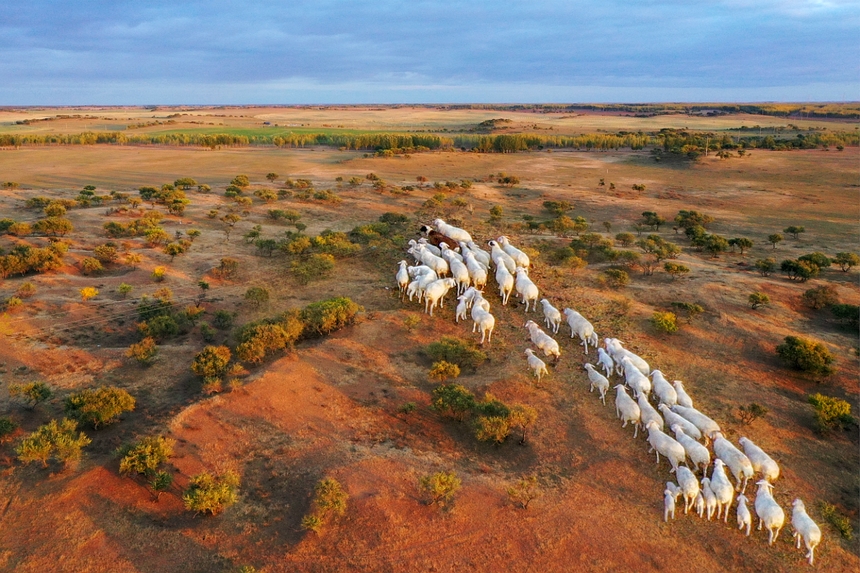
x: 332, y: 406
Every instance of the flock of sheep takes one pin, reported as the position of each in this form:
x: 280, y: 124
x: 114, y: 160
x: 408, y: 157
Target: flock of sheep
x: 447, y: 258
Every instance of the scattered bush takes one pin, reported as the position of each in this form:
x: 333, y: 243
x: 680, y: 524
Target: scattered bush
x: 211, y: 362
x: 794, y: 230
x: 842, y: 524
x: 88, y: 292
x: 615, y: 278
x: 819, y: 260
x: 329, y: 500
x: 124, y: 289
x: 820, y: 296
x: 442, y: 371
x: 227, y: 268
x: 765, y: 266
x: 453, y: 401
x: 463, y: 353
x: 690, y: 309
x: 223, y: 319
x: 7, y: 428
x: 675, y: 269
x: 145, y: 456
x: 257, y: 296
x: 774, y: 239
x: 439, y: 488
x: 209, y: 493
x: 26, y: 290
x: 100, y: 406
x: 758, y: 299
x: 752, y: 412
x: 158, y: 274
x: 806, y: 355
x: 411, y: 322
x: 258, y: 339
x: 831, y: 413
x: 665, y: 322
x: 495, y: 429
x: 59, y: 440
x: 847, y: 314
x: 31, y: 394
x: 91, y: 266
x: 798, y: 270
x: 317, y: 266
x: 326, y: 316
x: 524, y: 491
x: 144, y: 351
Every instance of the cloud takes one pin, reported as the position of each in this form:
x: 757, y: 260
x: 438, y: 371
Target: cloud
x: 162, y: 48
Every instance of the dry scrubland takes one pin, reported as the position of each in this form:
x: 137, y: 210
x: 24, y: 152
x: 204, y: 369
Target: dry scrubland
x: 333, y: 407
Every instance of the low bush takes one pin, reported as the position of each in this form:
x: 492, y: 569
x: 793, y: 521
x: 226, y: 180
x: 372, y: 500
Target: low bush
x: 820, y: 297
x: 207, y: 493
x: 59, y: 440
x: 463, y: 353
x: 831, y: 413
x: 439, y: 488
x: 100, y: 406
x: 665, y: 322
x: 806, y: 355
x: 326, y: 316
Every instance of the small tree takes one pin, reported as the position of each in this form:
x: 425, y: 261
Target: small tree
x: 91, y: 266
x: 145, y: 456
x: 806, y: 355
x: 209, y: 493
x: 88, y: 292
x: 100, y: 406
x: 522, y: 417
x: 716, y: 244
x: 272, y: 177
x: 158, y: 274
x: 742, y: 243
x: 330, y: 499
x: 133, y: 259
x: 211, y: 362
x: 439, y: 488
x: 496, y: 212
x: 7, y: 428
x: 820, y: 297
x: 758, y: 299
x: 817, y: 259
x: 665, y: 322
x: 774, y: 239
x: 31, y: 394
x: 442, y: 371
x: 846, y: 261
x: 240, y: 181
x: 830, y: 413
x: 144, y: 352
x: 463, y: 353
x: 675, y: 270
x: 257, y: 296
x: 794, y: 230
x: 765, y: 266
x: 453, y: 401
x: 160, y: 482
x: 495, y: 429
x: 60, y: 440
x: 124, y: 289
x: 616, y: 278
x: 690, y: 309
x: 752, y: 412
x: 524, y: 491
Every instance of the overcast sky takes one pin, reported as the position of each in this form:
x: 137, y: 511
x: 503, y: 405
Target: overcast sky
x: 58, y: 52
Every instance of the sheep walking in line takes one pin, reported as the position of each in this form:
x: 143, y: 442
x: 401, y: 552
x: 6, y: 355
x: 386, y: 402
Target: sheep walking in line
x: 617, y: 351
x: 709, y: 497
x: 626, y: 409
x: 706, y: 425
x: 477, y: 271
x: 480, y: 254
x: 689, y: 487
x: 537, y: 366
x: 699, y: 455
x: 638, y: 382
x: 670, y: 497
x: 543, y: 341
x: 743, y: 513
x: 422, y: 243
x: 505, y: 280
x: 435, y: 293
x: 605, y: 361
x: 402, y: 278
x: 580, y: 326
x: 770, y: 514
x: 682, y: 396
x: 700, y: 504
x: 598, y: 381
x: 500, y: 257
x: 672, y: 419
x: 735, y: 460
x: 648, y: 413
x: 551, y: 315
x: 662, y: 443
x: 662, y: 389
x: 761, y: 462
x: 455, y: 233
x: 520, y: 258
x: 484, y: 321
x: 460, y: 273
x: 804, y: 529
x: 462, y: 309
x: 722, y: 488
x: 526, y: 288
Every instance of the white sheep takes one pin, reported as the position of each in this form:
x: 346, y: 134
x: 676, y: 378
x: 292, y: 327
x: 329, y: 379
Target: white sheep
x: 706, y: 425
x: 648, y: 413
x: 626, y: 409
x: 462, y: 309
x: 526, y: 288
x: 519, y: 257
x: 579, y: 326
x: 769, y: 513
x: 402, y: 277
x: 484, y: 321
x: 635, y: 379
x: 683, y: 398
x: 598, y: 381
x: 700, y: 504
x: 689, y: 486
x: 722, y: 488
x: 538, y: 366
x: 455, y: 233
x: 417, y: 286
x: 551, y: 315
x: 543, y: 340
x: 761, y: 462
x: 435, y: 293
x: 737, y: 462
x: 617, y: 351
x: 422, y: 243
x: 662, y: 389
x: 699, y: 455
x: 670, y: 496
x: 433, y: 248
x: 477, y: 271
x: 449, y: 254
x: 672, y: 418
x: 709, y: 497
x: 460, y: 273
x: 480, y: 254
x: 743, y: 513
x: 605, y: 361
x: 505, y: 280
x: 438, y: 264
x: 662, y: 443
x: 470, y: 294
x: 500, y: 257
x: 804, y: 528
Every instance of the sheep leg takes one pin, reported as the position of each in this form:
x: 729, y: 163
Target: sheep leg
x: 775, y: 535
x: 636, y: 431
x: 797, y: 538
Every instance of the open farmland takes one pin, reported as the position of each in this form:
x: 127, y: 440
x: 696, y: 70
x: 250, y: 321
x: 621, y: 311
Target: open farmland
x: 355, y: 405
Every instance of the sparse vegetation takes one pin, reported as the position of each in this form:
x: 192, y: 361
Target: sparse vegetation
x: 664, y: 322
x: 31, y: 394
x: 831, y: 413
x: 442, y: 371
x: 758, y: 299
x: 752, y: 412
x: 330, y: 501
x: 58, y: 440
x: 834, y: 517
x: 208, y: 493
x: 439, y: 488
x: 100, y: 406
x: 524, y: 491
x: 463, y: 353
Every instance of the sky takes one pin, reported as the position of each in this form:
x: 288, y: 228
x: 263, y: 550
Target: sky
x: 140, y: 52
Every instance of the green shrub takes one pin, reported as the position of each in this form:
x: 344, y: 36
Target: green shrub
x: 211, y: 362
x: 326, y: 316
x: 758, y: 299
x: 665, y: 322
x: 842, y: 524
x: 257, y: 295
x: 690, y: 309
x: 615, y: 278
x: 60, y: 440
x: 211, y: 494
x: 831, y: 413
x: 439, y: 488
x: 765, y: 266
x: 145, y: 456
x: 752, y: 412
x: 100, y: 406
x: 820, y: 297
x: 463, y: 353
x: 223, y: 319
x: 806, y: 355
x: 848, y: 314
x: 442, y: 371
x: 32, y: 393
x: 316, y: 267
x: 495, y: 429
x: 7, y: 428
x: 453, y: 401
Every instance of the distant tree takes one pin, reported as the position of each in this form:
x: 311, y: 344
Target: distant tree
x: 716, y: 244
x: 240, y: 181
x: 774, y: 239
x: 271, y: 177
x: 495, y: 429
x: 652, y: 220
x: 257, y: 295
x: 91, y: 266
x: 144, y: 352
x: 227, y: 268
x: 207, y: 493
x: 31, y: 394
x: 675, y: 270
x: 203, y: 188
x: 820, y: 297
x: 765, y: 266
x: 439, y: 488
x: 230, y: 220
x: 453, y: 401
x: 846, y: 261
x: 522, y: 417
x: 758, y: 299
x: 145, y: 456
x: 806, y: 355
x: 524, y: 491
x: 185, y: 183
x: 690, y: 309
x: 687, y: 219
x: 100, y: 406
x: 60, y: 440
x: 819, y: 260
x: 625, y: 239
x: 557, y: 208
x: 616, y: 278
x: 848, y: 314
x: 88, y: 292
x: 608, y: 226
x: 794, y: 230
x: 742, y: 243
x: 799, y: 270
